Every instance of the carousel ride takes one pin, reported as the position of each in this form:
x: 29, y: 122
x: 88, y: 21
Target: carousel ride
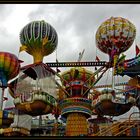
x: 35, y: 89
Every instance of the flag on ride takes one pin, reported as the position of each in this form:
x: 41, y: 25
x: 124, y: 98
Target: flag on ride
x: 57, y: 70
x: 97, y: 59
x: 137, y: 50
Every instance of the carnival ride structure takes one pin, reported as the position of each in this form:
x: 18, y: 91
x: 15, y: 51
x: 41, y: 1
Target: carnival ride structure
x: 35, y: 89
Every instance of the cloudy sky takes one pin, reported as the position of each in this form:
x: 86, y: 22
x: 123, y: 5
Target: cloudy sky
x: 76, y: 26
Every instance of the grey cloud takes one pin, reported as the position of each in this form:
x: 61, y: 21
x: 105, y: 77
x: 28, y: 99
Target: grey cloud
x: 4, y: 33
x: 85, y: 20
x: 5, y: 11
x: 7, y: 41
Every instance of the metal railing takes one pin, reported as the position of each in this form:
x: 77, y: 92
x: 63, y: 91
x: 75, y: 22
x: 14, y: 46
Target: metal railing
x: 124, y: 125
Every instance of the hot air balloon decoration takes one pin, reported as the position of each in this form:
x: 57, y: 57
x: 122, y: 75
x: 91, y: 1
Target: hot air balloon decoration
x: 9, y: 69
x: 39, y: 39
x: 115, y: 36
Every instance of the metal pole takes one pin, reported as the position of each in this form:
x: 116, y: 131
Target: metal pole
x: 1, y: 99
x: 113, y: 79
x: 40, y: 123
x: 40, y: 120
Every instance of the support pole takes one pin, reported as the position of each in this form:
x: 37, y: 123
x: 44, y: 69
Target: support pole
x: 1, y: 99
x: 113, y: 79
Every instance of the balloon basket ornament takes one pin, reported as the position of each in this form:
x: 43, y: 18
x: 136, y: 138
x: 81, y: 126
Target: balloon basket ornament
x: 106, y: 103
x: 34, y: 90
